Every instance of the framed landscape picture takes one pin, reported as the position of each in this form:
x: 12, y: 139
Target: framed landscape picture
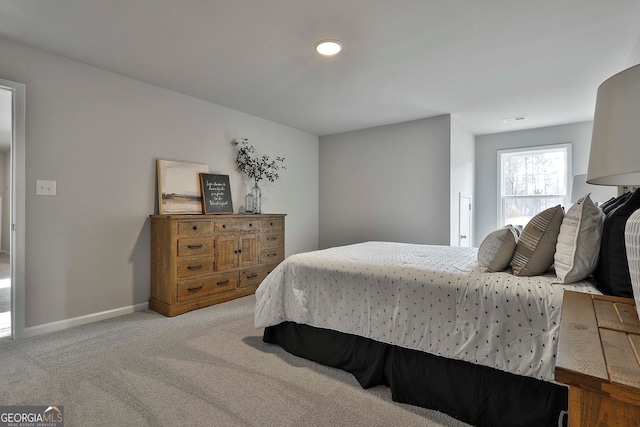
x: 179, y: 186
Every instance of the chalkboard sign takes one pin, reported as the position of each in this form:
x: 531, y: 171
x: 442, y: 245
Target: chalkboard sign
x: 216, y: 193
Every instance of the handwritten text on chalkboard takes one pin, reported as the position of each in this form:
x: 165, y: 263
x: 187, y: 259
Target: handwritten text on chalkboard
x: 216, y: 194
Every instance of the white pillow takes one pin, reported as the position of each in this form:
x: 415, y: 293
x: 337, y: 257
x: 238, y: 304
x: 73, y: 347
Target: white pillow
x: 496, y: 250
x: 578, y: 244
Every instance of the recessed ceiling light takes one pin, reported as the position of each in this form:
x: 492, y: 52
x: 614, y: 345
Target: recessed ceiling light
x: 513, y: 119
x: 328, y: 47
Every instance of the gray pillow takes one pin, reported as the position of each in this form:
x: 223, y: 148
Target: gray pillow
x: 578, y: 244
x: 536, y: 246
x: 496, y: 250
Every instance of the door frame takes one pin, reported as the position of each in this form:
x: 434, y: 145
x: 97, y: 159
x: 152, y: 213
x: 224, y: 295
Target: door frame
x: 17, y: 206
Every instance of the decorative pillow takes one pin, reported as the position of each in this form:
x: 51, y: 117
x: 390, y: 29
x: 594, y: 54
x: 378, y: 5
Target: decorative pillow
x: 604, y: 205
x: 578, y: 244
x: 612, y: 272
x: 615, y: 203
x: 496, y: 250
x: 537, y: 243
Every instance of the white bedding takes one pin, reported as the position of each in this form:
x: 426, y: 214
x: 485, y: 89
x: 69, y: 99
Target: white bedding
x: 423, y: 297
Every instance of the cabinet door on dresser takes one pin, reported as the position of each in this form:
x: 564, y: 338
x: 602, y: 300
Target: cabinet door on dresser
x: 226, y: 252
x: 235, y: 250
x: 248, y: 245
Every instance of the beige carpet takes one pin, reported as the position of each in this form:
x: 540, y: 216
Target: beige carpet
x: 204, y: 368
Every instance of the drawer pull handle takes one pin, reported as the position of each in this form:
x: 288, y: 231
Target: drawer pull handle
x: 272, y: 224
x: 195, y: 267
x: 224, y: 225
x: 270, y: 255
x: 253, y: 276
x: 196, y: 228
x: 223, y: 283
x: 195, y: 246
x: 195, y: 289
x: 250, y: 224
x: 272, y: 238
x: 238, y: 251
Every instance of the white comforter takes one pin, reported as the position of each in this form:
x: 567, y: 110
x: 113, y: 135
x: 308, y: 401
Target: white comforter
x: 423, y: 297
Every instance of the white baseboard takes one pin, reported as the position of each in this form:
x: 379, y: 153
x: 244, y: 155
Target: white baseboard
x: 59, y: 325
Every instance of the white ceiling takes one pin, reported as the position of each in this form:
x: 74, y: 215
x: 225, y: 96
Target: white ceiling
x: 482, y: 61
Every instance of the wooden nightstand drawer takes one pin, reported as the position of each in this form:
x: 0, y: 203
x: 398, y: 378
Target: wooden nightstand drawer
x: 194, y: 267
x: 598, y: 359
x: 194, y: 228
x: 208, y: 286
x: 194, y: 247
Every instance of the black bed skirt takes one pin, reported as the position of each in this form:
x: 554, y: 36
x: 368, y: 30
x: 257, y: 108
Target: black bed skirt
x: 475, y: 394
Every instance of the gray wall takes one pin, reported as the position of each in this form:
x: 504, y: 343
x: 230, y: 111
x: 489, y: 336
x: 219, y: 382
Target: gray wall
x: 386, y: 183
x: 98, y: 135
x: 487, y: 146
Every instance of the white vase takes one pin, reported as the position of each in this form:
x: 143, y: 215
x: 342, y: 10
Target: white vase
x: 632, y: 243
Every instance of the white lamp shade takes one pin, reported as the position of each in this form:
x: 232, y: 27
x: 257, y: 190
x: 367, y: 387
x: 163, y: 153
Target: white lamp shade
x: 599, y: 193
x: 615, y: 152
x: 615, y: 143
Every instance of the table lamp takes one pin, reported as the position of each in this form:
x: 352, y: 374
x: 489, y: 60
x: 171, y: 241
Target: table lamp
x: 615, y: 152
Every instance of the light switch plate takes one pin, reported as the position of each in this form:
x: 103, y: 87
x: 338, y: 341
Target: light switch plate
x: 45, y: 188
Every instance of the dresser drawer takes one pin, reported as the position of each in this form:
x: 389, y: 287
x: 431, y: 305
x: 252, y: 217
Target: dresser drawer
x: 272, y: 224
x: 271, y: 240
x: 250, y: 225
x: 226, y: 225
x: 194, y: 266
x: 253, y: 277
x: 207, y: 286
x: 272, y: 255
x: 195, y: 246
x: 194, y: 228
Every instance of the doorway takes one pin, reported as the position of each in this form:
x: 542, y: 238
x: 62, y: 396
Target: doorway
x: 465, y: 216
x: 12, y: 202
x: 6, y: 138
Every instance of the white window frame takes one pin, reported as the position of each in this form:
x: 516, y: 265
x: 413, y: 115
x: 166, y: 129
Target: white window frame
x: 500, y: 181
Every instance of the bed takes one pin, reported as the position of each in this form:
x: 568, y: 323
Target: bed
x: 426, y: 321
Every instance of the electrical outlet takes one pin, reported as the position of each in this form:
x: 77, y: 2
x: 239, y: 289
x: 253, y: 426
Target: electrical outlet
x: 45, y: 188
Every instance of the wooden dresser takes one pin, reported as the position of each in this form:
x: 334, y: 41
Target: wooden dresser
x: 200, y: 260
x: 599, y: 359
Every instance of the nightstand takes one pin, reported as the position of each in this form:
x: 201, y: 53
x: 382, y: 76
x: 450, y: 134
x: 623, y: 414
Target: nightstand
x: 599, y: 359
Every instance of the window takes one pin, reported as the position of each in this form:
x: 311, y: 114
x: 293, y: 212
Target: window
x: 531, y: 180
